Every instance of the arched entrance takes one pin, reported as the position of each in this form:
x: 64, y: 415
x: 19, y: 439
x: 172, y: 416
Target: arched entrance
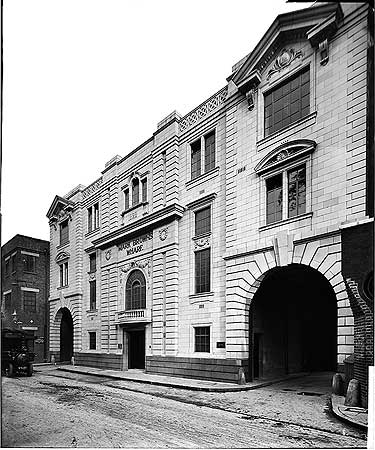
x: 66, y: 335
x: 293, y: 323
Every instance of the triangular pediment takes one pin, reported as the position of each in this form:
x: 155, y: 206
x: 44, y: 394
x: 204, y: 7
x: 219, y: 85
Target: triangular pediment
x: 311, y: 24
x: 59, y: 205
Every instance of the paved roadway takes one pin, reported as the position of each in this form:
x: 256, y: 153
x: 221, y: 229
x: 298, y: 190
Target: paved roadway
x: 56, y: 409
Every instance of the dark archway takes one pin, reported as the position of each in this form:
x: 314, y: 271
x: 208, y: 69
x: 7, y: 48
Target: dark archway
x: 294, y: 323
x: 66, y: 335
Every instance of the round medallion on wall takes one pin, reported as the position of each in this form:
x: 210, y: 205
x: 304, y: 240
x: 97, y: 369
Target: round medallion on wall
x: 108, y: 255
x: 163, y: 234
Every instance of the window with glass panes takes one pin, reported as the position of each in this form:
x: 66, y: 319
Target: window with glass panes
x: 92, y: 262
x: 144, y: 190
x: 135, y: 293
x: 209, y: 151
x: 64, y: 232
x: 202, y: 339
x: 126, y: 199
x: 287, y: 103
x: 202, y: 271
x: 64, y: 274
x: 297, y: 191
x: 7, y: 262
x: 92, y: 340
x: 203, y: 221
x: 135, y: 191
x: 28, y: 262
x: 92, y: 295
x: 274, y: 207
x: 293, y: 183
x: 195, y: 159
x: 29, y: 301
x: 96, y: 216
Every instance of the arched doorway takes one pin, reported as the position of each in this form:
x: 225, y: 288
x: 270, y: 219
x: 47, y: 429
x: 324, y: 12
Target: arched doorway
x: 293, y: 323
x: 66, y: 335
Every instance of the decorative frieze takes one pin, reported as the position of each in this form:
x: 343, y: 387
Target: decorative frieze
x: 140, y: 264
x: 92, y: 188
x: 286, y: 57
x: 203, y: 110
x: 202, y: 243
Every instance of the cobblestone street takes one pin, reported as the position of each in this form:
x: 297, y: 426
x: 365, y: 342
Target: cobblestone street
x: 55, y: 409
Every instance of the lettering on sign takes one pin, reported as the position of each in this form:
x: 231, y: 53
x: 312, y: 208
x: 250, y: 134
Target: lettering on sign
x: 136, y: 245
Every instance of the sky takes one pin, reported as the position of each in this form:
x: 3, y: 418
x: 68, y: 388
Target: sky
x: 85, y: 80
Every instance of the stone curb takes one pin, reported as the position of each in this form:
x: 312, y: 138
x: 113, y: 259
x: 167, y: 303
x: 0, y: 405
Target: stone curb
x: 178, y: 384
x: 351, y: 418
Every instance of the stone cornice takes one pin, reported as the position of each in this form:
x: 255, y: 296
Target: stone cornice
x: 174, y: 211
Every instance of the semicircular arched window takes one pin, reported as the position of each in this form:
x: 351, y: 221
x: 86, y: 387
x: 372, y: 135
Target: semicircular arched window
x: 135, y: 294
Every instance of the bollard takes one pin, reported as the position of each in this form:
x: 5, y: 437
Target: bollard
x: 241, y: 376
x: 352, y: 394
x: 72, y: 361
x: 337, y: 384
x: 53, y: 361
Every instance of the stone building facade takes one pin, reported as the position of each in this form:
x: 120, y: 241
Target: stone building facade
x: 25, y: 290
x: 216, y: 246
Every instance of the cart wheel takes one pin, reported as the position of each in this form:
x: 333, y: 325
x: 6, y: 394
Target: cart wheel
x: 30, y: 370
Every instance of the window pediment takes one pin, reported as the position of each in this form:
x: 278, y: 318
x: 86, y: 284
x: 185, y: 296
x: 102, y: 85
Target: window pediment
x: 312, y: 24
x: 285, y: 153
x: 62, y: 256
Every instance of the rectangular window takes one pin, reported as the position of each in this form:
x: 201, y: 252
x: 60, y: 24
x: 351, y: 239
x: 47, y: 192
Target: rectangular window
x: 287, y: 103
x: 92, y: 262
x: 8, y: 300
x: 89, y: 219
x: 203, y: 221
x: 126, y: 199
x: 7, y: 267
x: 202, y: 339
x: 13, y: 263
x: 144, y: 190
x: 135, y: 192
x: 29, y: 301
x: 92, y: 340
x: 274, y: 186
x: 64, y: 279
x: 209, y: 152
x: 64, y: 232
x: 92, y: 295
x: 202, y: 271
x: 29, y: 263
x: 96, y: 216
x: 195, y: 159
x: 93, y: 217
x: 297, y: 191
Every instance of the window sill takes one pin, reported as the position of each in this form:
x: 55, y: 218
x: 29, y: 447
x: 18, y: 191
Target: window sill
x: 304, y: 122
x: 203, y: 296
x: 286, y: 221
x: 27, y: 271
x: 60, y: 246
x: 203, y: 235
x: 92, y: 232
x: 132, y: 208
x: 92, y: 312
x: 202, y: 178
x: 63, y: 287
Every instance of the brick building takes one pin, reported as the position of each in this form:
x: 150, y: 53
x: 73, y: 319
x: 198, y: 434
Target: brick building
x: 25, y: 290
x: 217, y: 244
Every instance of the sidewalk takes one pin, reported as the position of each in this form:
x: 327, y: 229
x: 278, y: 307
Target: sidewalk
x: 139, y: 376
x: 349, y: 414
